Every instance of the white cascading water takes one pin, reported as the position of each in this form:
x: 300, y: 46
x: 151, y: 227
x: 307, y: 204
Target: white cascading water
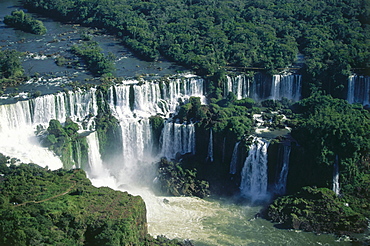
x: 75, y: 105
x: 358, y: 89
x: 234, y: 159
x: 151, y: 98
x: 177, y: 139
x: 254, y: 173
x: 280, y: 186
x: 19, y: 121
x: 286, y: 86
x: 210, y: 146
x: 280, y: 86
x: 239, y: 85
x: 336, y: 188
x: 96, y: 172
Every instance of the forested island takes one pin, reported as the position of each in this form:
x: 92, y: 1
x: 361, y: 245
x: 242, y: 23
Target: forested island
x: 233, y: 45
x: 25, y: 22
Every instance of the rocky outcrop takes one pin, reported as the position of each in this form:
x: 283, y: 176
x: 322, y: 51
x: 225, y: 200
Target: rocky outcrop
x: 315, y: 209
x: 173, y: 179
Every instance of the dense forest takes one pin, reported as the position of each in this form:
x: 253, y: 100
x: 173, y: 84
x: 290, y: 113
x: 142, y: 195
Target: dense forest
x: 207, y: 36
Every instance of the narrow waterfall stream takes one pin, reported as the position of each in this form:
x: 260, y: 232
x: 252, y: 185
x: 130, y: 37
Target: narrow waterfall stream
x: 280, y: 186
x: 254, y: 174
x: 234, y: 159
x: 210, y: 146
x: 336, y: 187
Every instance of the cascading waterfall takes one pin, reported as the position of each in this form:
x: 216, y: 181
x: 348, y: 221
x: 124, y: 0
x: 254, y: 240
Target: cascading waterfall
x: 210, y: 146
x: 239, y: 85
x: 286, y: 86
x: 280, y: 186
x: 132, y: 103
x: 77, y: 105
x: 336, y: 188
x: 254, y: 173
x: 177, y: 138
x: 358, y: 89
x: 234, y: 159
x: 96, y: 172
x: 144, y: 99
x: 278, y: 87
x: 19, y: 121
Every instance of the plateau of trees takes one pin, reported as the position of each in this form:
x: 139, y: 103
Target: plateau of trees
x: 209, y: 35
x: 332, y: 128
x: 43, y: 207
x: 25, y: 22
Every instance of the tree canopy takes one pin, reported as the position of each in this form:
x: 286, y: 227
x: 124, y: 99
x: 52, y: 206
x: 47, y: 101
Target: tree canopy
x: 332, y: 128
x: 25, y: 22
x: 209, y: 35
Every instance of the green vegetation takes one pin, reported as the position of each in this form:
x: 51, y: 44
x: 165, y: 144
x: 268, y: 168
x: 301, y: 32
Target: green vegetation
x: 96, y: 61
x: 318, y: 210
x: 66, y: 143
x: 330, y: 128
x: 25, y: 22
x: 230, y: 117
x: 156, y: 123
x: 43, y: 207
x: 173, y: 179
x: 209, y: 35
x: 107, y: 127
x: 11, y: 69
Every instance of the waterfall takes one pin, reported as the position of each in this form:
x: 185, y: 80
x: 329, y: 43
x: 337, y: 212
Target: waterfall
x: 19, y: 121
x: 18, y: 138
x: 75, y: 105
x: 234, y: 159
x: 95, y: 162
x: 336, y: 176
x: 239, y: 85
x: 260, y: 88
x: 177, y: 138
x: 147, y: 98
x: 96, y: 172
x: 280, y: 186
x: 254, y: 173
x: 210, y: 146
x: 358, y: 89
x: 131, y: 103
x: 286, y: 86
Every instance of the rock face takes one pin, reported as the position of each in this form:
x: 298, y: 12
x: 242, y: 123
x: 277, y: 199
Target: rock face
x: 315, y: 209
x: 172, y: 179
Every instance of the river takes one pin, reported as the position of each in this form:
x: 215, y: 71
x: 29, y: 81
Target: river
x: 209, y: 221
x: 42, y: 51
